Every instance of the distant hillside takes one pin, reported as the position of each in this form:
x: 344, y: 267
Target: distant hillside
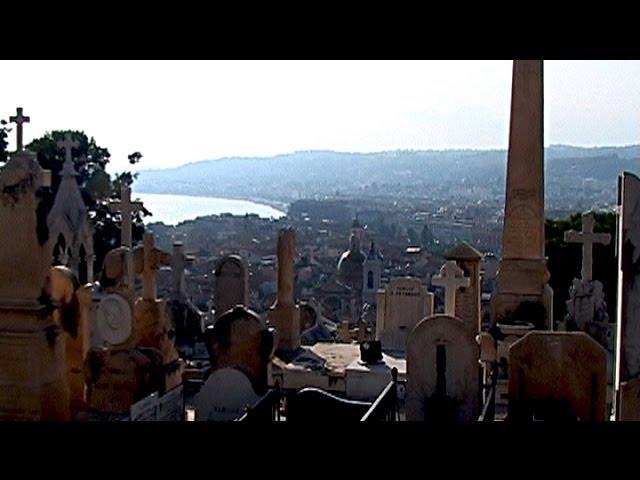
x: 304, y: 174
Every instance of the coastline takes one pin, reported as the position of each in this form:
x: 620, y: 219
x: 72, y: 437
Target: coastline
x: 275, y: 204
x: 174, y: 209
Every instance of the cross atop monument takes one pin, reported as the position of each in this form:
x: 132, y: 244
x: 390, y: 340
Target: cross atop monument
x: 19, y: 119
x: 152, y: 259
x: 451, y: 278
x: 179, y: 261
x: 67, y: 144
x: 587, y: 238
x: 125, y: 207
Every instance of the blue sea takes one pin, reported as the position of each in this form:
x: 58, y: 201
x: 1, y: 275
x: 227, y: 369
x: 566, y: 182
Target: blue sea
x: 173, y: 209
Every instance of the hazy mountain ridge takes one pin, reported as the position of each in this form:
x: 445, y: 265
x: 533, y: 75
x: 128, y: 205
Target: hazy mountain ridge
x: 307, y: 173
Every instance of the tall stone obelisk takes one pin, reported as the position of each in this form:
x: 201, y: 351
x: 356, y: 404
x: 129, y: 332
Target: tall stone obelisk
x: 284, y: 315
x: 522, y: 293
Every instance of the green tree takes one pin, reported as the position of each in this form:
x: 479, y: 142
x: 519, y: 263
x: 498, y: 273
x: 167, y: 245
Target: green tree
x: 565, y: 260
x: 95, y: 183
x: 4, y: 142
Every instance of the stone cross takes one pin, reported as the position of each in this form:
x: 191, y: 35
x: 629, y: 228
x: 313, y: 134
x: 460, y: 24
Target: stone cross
x: 179, y: 261
x: 152, y: 259
x: 67, y: 144
x: 587, y: 238
x: 451, y: 278
x: 19, y: 119
x: 125, y: 207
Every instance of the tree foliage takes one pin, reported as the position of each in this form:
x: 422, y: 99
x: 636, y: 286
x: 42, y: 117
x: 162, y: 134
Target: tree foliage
x: 565, y: 260
x: 4, y: 142
x: 96, y: 185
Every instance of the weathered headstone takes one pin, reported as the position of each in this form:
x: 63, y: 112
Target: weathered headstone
x: 628, y: 300
x: 118, y: 377
x: 33, y: 374
x: 284, y: 315
x: 153, y: 328
x: 522, y: 292
x: 231, y: 284
x: 442, y: 361
x: 442, y: 371
x: 240, y: 339
x: 468, y: 297
x: 401, y: 305
x: 557, y: 376
x: 132, y: 340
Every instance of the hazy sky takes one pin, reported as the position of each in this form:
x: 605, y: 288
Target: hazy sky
x: 176, y: 112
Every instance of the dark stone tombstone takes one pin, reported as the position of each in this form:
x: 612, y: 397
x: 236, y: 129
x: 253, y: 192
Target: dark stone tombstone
x: 371, y: 352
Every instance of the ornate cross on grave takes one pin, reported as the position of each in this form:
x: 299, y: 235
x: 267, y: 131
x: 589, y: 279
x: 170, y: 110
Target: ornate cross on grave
x: 179, y: 261
x: 587, y: 238
x: 19, y: 119
x: 67, y: 144
x: 153, y: 258
x: 125, y: 207
x: 451, y: 278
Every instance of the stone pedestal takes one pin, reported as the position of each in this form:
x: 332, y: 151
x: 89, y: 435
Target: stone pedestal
x: 286, y: 320
x: 33, y: 378
x: 118, y: 378
x: 153, y: 329
x: 522, y: 294
x: 587, y: 312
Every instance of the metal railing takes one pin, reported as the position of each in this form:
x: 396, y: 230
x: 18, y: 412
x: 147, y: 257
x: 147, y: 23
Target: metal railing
x: 489, y: 409
x: 385, y: 407
x: 265, y: 410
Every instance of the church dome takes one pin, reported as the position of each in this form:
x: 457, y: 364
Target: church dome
x: 350, y: 266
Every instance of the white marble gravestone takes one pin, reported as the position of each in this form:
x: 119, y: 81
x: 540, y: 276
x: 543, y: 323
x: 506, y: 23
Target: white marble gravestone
x: 225, y: 396
x: 442, y: 371
x: 401, y: 305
